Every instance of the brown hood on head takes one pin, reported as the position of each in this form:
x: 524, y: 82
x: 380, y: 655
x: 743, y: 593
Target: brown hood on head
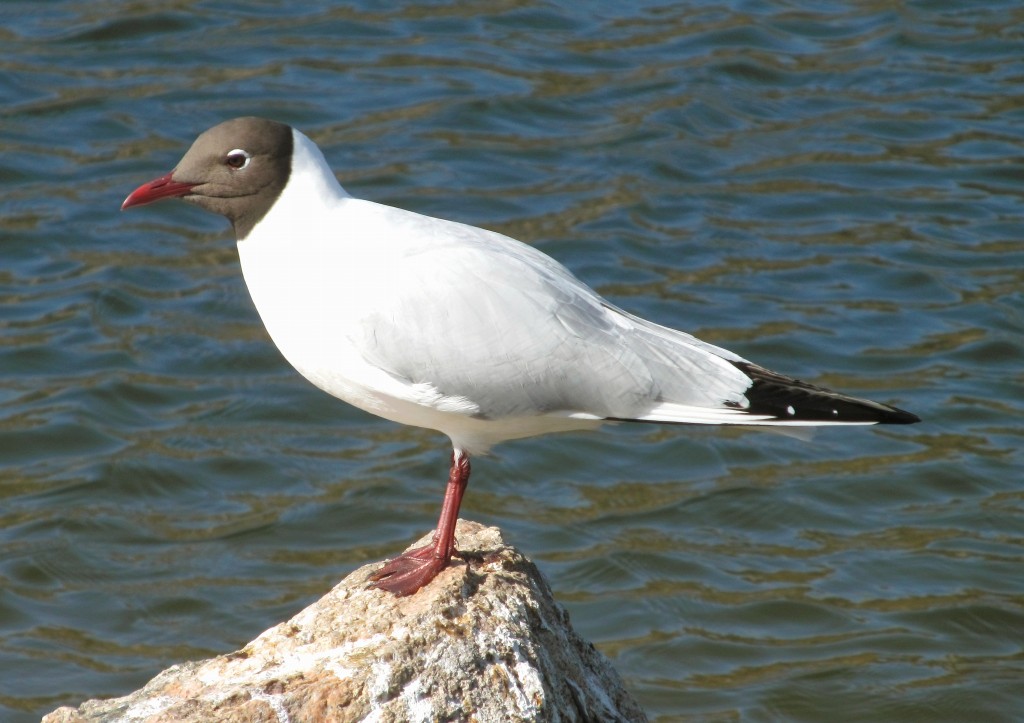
x: 237, y: 169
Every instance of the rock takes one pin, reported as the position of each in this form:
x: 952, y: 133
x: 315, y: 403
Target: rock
x: 484, y: 641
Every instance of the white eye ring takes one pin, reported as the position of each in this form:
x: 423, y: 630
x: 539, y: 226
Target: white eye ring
x: 237, y: 159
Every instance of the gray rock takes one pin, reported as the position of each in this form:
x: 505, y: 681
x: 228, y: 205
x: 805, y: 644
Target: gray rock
x: 485, y: 641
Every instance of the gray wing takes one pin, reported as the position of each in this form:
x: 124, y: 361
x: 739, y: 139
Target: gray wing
x: 481, y: 317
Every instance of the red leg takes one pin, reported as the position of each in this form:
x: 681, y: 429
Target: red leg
x: 414, y: 568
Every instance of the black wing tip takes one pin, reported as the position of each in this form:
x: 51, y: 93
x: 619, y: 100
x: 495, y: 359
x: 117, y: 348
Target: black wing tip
x: 793, y: 400
x: 900, y: 416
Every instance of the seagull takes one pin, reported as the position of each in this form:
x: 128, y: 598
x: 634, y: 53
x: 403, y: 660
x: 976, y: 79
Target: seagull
x: 442, y: 325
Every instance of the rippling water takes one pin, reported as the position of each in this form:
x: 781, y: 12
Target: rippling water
x: 831, y: 189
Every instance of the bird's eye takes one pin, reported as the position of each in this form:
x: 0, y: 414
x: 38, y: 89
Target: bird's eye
x: 237, y: 159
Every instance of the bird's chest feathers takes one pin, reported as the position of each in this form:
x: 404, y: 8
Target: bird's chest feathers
x: 317, y: 300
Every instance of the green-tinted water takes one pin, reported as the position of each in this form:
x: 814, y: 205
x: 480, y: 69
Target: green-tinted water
x: 831, y: 189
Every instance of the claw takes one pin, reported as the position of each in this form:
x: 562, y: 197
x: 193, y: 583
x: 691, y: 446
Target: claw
x: 410, y: 571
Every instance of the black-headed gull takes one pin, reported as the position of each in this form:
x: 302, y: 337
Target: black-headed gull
x: 450, y: 327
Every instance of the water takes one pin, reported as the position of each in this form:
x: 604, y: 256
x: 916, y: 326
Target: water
x: 831, y: 189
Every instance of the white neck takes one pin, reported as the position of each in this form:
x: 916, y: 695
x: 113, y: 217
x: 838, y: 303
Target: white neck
x: 311, y: 176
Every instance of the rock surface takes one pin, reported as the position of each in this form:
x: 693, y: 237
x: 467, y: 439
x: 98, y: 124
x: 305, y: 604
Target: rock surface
x: 485, y: 641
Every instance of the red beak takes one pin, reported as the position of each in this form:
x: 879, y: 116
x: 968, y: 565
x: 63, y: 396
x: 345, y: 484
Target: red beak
x: 156, y: 190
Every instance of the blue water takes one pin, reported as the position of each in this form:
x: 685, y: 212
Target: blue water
x: 834, y: 190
